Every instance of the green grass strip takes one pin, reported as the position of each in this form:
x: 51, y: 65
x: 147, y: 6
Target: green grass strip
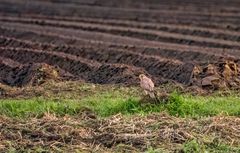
x: 106, y: 104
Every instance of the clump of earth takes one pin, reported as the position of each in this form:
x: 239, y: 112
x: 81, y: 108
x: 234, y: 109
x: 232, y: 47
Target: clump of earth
x: 220, y: 75
x: 33, y: 75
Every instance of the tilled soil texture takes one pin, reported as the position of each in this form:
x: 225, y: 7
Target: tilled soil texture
x: 102, y: 41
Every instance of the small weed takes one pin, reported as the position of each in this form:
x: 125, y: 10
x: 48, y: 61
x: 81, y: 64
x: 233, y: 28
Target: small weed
x: 193, y: 147
x: 159, y: 150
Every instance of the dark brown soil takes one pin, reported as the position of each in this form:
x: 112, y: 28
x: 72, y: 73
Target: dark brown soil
x: 108, y: 42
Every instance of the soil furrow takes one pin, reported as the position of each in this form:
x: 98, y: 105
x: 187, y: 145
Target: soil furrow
x: 139, y: 33
x: 173, y: 28
x: 118, y: 57
x: 106, y: 73
x: 230, y: 29
x: 113, y: 39
x: 162, y: 51
x: 69, y: 63
x: 4, y: 72
x: 89, y: 11
x: 153, y: 66
x: 89, y: 52
x: 196, y: 14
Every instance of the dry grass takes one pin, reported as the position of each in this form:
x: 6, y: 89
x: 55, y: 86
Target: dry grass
x: 118, y: 133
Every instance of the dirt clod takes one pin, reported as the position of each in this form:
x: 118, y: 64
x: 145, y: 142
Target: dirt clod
x: 33, y: 75
x: 220, y: 75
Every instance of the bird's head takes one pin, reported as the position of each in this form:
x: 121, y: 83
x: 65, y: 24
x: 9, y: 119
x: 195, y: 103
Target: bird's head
x: 141, y: 76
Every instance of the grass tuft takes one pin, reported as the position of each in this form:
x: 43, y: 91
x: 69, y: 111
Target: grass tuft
x: 195, y: 146
x: 196, y: 106
x: 36, y: 107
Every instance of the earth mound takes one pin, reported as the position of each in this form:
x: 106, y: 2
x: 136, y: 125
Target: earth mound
x: 219, y: 75
x: 33, y: 75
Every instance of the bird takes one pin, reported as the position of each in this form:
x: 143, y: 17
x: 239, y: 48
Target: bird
x: 147, y: 85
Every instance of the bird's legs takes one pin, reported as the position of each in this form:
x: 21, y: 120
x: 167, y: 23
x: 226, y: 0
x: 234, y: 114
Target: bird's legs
x: 146, y: 92
x: 151, y: 94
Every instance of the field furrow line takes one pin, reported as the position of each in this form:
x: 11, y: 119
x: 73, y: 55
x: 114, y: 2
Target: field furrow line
x: 155, y: 35
x: 163, y: 53
x: 113, y: 39
x: 117, y: 13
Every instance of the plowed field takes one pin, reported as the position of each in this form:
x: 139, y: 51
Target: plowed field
x: 102, y: 41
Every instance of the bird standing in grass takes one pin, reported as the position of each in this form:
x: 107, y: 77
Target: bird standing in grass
x: 147, y: 85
